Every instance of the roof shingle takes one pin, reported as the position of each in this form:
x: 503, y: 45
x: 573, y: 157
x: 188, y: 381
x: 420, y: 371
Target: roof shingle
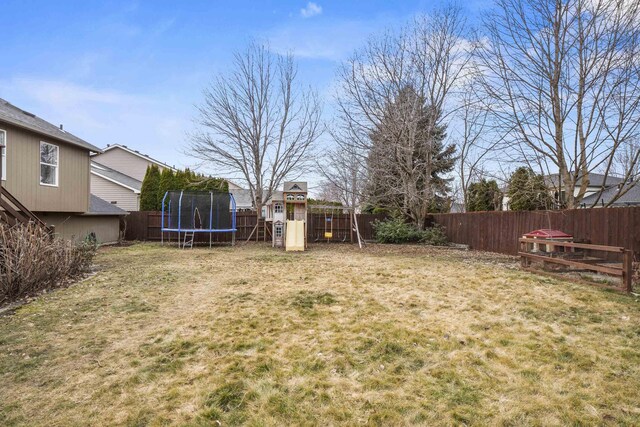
x: 15, y: 116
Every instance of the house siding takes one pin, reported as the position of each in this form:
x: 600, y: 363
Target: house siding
x: 23, y: 173
x: 76, y: 227
x: 125, y: 162
x: 111, y: 192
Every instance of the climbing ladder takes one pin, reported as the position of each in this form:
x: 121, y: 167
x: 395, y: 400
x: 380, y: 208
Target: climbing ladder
x: 189, y: 237
x: 260, y: 230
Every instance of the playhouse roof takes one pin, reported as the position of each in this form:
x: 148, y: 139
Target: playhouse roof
x: 548, y: 233
x: 277, y: 196
x: 295, y: 187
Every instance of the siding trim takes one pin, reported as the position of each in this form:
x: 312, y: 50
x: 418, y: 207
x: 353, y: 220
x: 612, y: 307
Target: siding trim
x: 3, y: 158
x: 116, y: 182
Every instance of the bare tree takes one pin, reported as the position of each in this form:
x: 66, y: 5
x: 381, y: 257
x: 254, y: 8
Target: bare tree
x: 344, y: 172
x: 257, y: 122
x: 626, y: 162
x: 477, y: 143
x: 428, y: 58
x: 562, y: 77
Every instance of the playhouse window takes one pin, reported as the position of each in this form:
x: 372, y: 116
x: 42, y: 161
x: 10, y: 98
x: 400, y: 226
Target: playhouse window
x: 300, y: 197
x: 277, y: 208
x: 278, y: 230
x: 290, y: 197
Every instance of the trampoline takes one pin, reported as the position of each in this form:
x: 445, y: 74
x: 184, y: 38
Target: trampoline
x: 192, y: 212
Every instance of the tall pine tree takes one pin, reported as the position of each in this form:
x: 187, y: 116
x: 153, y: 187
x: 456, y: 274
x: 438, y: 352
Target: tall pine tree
x: 150, y: 189
x: 484, y: 196
x: 528, y: 191
x: 409, y: 159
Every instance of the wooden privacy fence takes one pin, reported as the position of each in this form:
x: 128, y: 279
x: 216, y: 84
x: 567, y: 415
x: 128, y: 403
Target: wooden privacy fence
x: 146, y: 226
x: 500, y: 231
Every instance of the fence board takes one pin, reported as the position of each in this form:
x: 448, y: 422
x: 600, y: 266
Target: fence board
x: 500, y: 231
x: 486, y: 231
x: 146, y: 226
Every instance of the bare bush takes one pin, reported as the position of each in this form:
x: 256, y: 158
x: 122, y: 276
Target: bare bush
x: 32, y: 261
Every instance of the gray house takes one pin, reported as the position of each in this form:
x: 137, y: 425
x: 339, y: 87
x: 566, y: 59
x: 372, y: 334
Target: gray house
x: 46, y: 169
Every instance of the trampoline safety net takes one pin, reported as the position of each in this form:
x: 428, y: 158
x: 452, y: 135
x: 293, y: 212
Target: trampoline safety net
x: 198, y: 211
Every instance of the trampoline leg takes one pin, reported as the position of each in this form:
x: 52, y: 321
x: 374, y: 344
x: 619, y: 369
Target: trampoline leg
x: 210, y: 234
x: 178, y: 240
x: 233, y: 238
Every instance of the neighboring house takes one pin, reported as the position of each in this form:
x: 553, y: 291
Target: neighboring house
x: 47, y: 170
x: 115, y: 187
x: 117, y: 173
x: 597, y: 183
x: 244, y: 201
x: 631, y: 197
x: 127, y: 161
x: 242, y: 196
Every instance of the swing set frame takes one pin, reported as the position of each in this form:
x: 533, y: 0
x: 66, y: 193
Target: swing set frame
x: 328, y: 230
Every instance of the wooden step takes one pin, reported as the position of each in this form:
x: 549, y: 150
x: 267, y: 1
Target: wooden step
x: 14, y: 212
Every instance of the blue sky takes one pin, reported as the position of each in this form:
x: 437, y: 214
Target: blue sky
x: 130, y: 72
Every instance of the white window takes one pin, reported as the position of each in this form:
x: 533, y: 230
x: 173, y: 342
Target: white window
x: 300, y: 197
x: 278, y: 230
x: 290, y: 197
x: 49, y: 158
x: 3, y: 154
x: 277, y: 208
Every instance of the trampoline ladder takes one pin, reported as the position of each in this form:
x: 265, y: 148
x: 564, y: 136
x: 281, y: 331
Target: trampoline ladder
x: 190, y: 235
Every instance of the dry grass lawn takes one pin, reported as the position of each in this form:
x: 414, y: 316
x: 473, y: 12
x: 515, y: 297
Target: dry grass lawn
x: 335, y: 336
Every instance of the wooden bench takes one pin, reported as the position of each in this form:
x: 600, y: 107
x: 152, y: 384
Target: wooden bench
x: 571, y: 258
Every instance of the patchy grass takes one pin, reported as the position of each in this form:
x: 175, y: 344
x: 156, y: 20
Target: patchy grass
x: 334, y: 336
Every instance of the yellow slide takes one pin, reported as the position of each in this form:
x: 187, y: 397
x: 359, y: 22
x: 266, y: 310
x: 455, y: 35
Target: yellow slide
x: 295, y: 236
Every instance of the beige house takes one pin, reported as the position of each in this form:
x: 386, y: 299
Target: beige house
x: 47, y: 170
x: 117, y: 173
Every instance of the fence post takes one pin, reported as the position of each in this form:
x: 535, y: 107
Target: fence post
x: 627, y: 270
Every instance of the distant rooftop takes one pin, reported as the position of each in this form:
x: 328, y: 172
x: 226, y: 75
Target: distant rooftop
x: 595, y: 180
x: 13, y: 115
x: 242, y: 197
x: 631, y: 197
x: 139, y: 154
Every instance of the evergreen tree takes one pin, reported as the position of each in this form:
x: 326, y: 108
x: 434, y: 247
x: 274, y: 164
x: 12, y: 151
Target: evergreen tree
x: 181, y: 179
x: 150, y: 189
x: 409, y: 159
x: 528, y: 191
x: 484, y: 196
x: 167, y: 178
x: 200, y: 182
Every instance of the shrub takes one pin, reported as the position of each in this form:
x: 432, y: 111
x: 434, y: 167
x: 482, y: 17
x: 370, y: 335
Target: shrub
x: 396, y: 230
x: 434, y: 236
x: 32, y: 261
